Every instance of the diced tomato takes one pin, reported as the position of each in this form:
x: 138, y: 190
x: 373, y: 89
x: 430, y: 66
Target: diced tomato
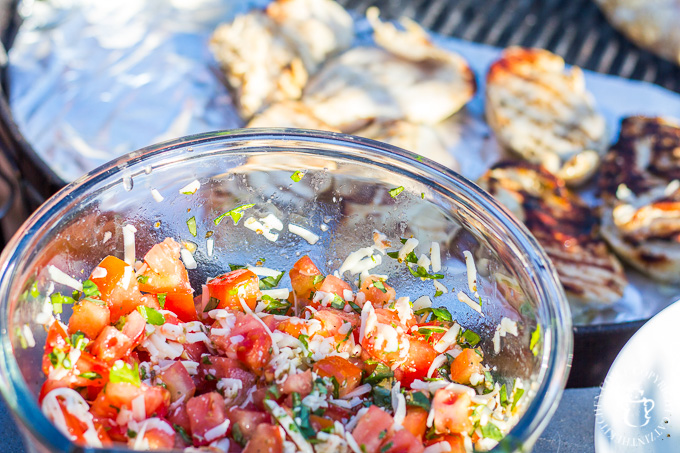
x: 178, y: 381
x: 465, y: 365
x: 165, y: 272
x: 332, y: 320
x: 375, y: 294
x: 56, y: 338
x: 292, y: 328
x: 320, y: 423
x: 417, y: 364
x: 134, y: 327
x: 345, y: 373
x: 334, y: 285
x: 253, y: 347
x: 111, y: 344
x: 374, y: 426
x: 196, y: 350
x: 226, y: 289
x: 151, y: 301
x: 451, y: 411
x: 115, y: 395
x: 182, y: 304
x: 180, y: 417
x: 455, y: 442
x: 205, y: 412
x: 300, y: 383
x: 416, y: 421
x: 157, y: 439
x: 76, y: 428
x: 247, y: 420
x: 305, y: 277
x: 119, y: 288
x: 223, y: 367
x: 89, y: 318
x: 402, y: 441
x: 432, y: 331
x: 266, y: 439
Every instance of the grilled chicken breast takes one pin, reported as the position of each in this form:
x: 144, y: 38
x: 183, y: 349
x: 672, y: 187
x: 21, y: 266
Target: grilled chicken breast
x: 267, y: 56
x: 639, y: 182
x: 542, y: 112
x: 422, y: 84
x: 566, y: 228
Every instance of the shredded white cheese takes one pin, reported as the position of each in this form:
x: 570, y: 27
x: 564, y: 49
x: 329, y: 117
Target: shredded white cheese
x: 435, y: 257
x: 264, y: 271
x: 254, y: 225
x: 75, y: 405
x: 369, y: 320
x: 190, y: 188
x: 210, y: 245
x: 448, y: 339
x: 436, y: 363
x: 440, y: 287
x: 278, y: 293
x: 157, y: 195
x: 361, y: 390
x: 129, y: 244
x: 469, y: 302
x: 471, y: 272
x: 303, y: 233
x: 218, y: 431
x: 188, y: 259
x: 439, y: 447
x: 422, y: 302
x: 408, y: 247
x: 59, y: 276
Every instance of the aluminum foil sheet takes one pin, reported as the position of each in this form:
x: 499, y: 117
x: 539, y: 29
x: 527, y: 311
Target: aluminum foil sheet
x: 91, y: 80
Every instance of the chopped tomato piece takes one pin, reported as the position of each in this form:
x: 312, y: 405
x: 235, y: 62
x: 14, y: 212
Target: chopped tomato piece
x: 182, y: 304
x: 157, y: 439
x: 455, y: 442
x: 345, y: 373
x: 402, y: 441
x: 151, y: 301
x: 334, y: 285
x: 300, y: 383
x: 305, y: 277
x: 115, y: 395
x: 89, y: 318
x: 379, y: 295
x: 165, y: 272
x: 451, y: 411
x: 465, y: 365
x: 332, y: 320
x: 374, y: 426
x: 179, y: 416
x: 111, y: 344
x: 416, y: 421
x: 266, y: 439
x: 226, y: 289
x: 119, y: 288
x: 196, y: 350
x: 247, y: 420
x: 249, y: 343
x: 417, y: 364
x: 56, y: 338
x: 292, y: 328
x: 320, y: 423
x: 205, y: 413
x: 178, y: 381
x: 222, y: 367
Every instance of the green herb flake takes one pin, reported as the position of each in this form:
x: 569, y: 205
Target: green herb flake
x: 438, y: 293
x: 386, y: 447
x: 34, y: 289
x: 151, y: 315
x: 90, y: 289
x: 421, y: 272
x: 143, y: 279
x: 338, y: 302
x: 131, y: 434
x: 439, y: 314
x: 191, y: 224
x: 535, y: 339
x: 122, y: 372
x: 297, y: 176
x: 382, y: 397
x: 58, y: 300
x: 276, y: 306
x: 396, y: 191
x: 317, y: 279
x: 212, y: 304
x: 380, y: 373
x: 503, y: 395
x: 304, y: 340
x: 380, y: 285
x: 183, y: 434
x: 469, y: 338
x: 354, y: 306
x: 206, y: 360
x: 491, y: 431
x: 78, y: 340
x: 418, y: 399
x: 270, y: 282
x: 517, y: 395
x: 161, y: 299
x: 236, y: 213
x: 91, y: 375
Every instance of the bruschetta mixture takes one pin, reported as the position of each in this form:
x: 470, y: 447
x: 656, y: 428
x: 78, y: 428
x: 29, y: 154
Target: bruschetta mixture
x: 245, y: 365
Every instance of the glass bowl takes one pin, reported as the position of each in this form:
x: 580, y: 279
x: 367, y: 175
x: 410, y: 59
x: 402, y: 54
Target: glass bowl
x: 343, y: 197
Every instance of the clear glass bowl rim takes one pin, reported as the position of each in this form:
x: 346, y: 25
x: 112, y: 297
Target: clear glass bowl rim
x: 558, y: 337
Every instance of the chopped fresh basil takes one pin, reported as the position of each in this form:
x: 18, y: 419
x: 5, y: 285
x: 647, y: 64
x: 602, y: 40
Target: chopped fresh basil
x: 351, y: 329
x: 301, y: 416
x: 418, y: 399
x: 304, y: 340
x: 380, y: 372
x: 238, y: 435
x: 131, y: 434
x: 206, y: 360
x: 276, y: 306
x: 535, y: 339
x: 421, y: 272
x: 120, y: 323
x: 354, y: 306
x: 503, y: 395
x: 297, y: 176
x: 34, y: 289
x: 143, y: 279
x: 338, y: 302
x: 212, y: 304
x: 151, y: 315
x: 515, y: 399
x: 161, y: 299
x: 57, y: 357
x: 439, y: 314
x: 91, y: 375
x: 122, y: 372
x: 78, y: 340
x: 386, y: 447
x: 396, y: 191
x: 233, y: 267
x: 382, y: 397
x: 191, y: 224
x: 491, y: 431
x: 317, y: 279
x: 270, y: 282
x: 90, y: 289
x: 469, y: 338
x: 235, y: 214
x: 183, y: 434
x: 58, y: 300
x: 380, y: 285
x: 336, y: 387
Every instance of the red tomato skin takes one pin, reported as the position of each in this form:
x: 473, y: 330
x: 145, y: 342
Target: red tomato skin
x: 158, y: 439
x: 165, y: 271
x: 253, y: 350
x: 374, y: 426
x: 89, y: 318
x: 300, y: 383
x: 205, y: 412
x: 334, y: 285
x: 345, y: 373
x: 303, y: 275
x: 417, y: 364
x: 115, y: 395
x: 266, y: 439
x: 226, y: 288
x: 247, y: 420
x: 374, y: 294
x: 465, y: 365
x: 56, y: 338
x: 120, y: 299
x: 455, y: 442
x: 180, y: 417
x: 416, y: 421
x: 178, y: 381
x: 332, y: 320
x: 195, y: 351
x: 451, y: 411
x: 402, y: 441
x: 182, y: 304
x: 111, y: 344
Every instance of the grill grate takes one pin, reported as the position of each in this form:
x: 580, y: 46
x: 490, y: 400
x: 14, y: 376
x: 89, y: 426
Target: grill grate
x: 576, y: 30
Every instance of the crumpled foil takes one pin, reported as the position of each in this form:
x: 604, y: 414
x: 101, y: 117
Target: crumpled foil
x: 91, y: 80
